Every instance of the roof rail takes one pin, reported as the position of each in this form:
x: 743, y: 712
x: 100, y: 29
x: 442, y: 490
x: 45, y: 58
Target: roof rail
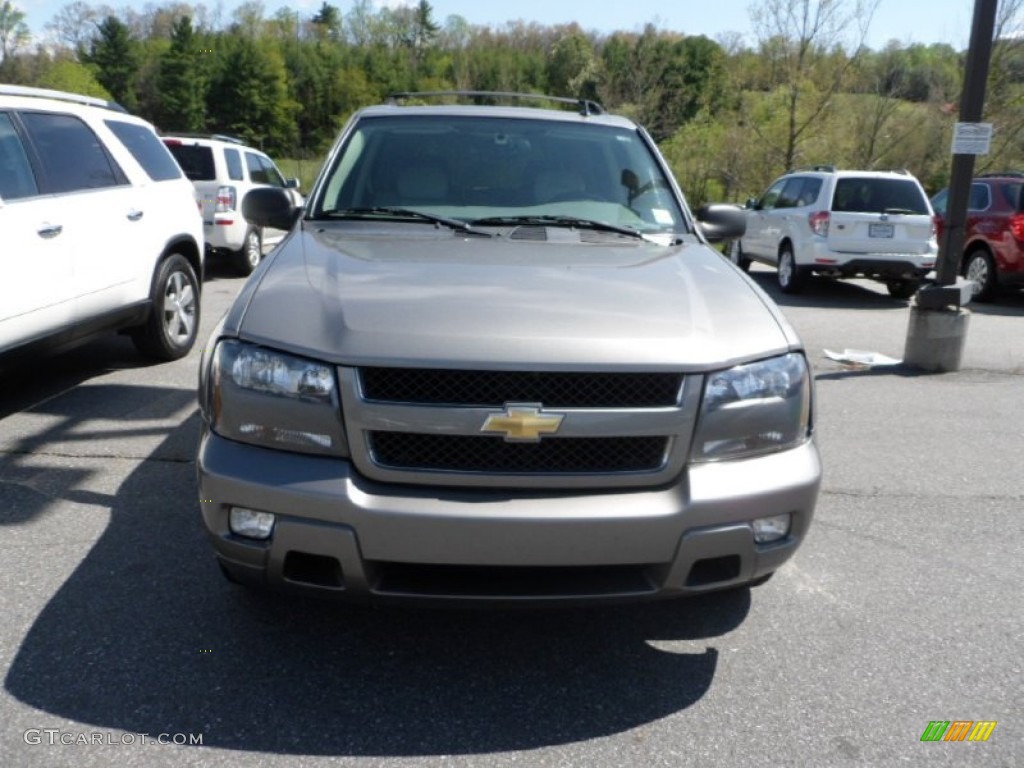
x: 217, y: 136
x: 821, y: 168
x: 72, y: 98
x: 1007, y: 174
x: 586, y: 107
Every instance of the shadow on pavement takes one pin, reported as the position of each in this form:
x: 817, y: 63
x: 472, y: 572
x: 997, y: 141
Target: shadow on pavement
x: 825, y: 292
x: 146, y: 637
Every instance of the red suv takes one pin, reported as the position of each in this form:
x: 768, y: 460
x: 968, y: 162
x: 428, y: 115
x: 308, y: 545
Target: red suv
x: 994, y: 238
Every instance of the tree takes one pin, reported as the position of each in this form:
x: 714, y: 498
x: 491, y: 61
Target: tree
x: 115, y: 54
x: 250, y: 95
x: 573, y: 69
x: 66, y: 74
x: 328, y: 23
x: 810, y: 47
x: 74, y: 25
x: 13, y: 31
x: 181, y: 82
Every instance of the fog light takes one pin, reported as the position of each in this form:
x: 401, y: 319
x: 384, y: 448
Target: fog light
x: 769, y: 529
x: 250, y: 523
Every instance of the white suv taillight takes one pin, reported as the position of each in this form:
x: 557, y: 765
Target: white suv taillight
x: 225, y: 199
x: 819, y: 222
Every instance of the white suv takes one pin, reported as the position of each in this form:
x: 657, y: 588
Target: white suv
x: 98, y: 227
x: 223, y: 169
x: 874, y: 224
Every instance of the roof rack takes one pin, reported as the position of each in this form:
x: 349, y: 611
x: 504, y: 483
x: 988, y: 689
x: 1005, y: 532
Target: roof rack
x: 72, y: 98
x: 821, y: 168
x: 586, y: 107
x: 216, y: 136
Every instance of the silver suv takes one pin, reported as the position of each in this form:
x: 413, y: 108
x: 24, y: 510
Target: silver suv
x: 98, y: 226
x: 223, y: 170
x: 496, y: 359
x: 841, y: 224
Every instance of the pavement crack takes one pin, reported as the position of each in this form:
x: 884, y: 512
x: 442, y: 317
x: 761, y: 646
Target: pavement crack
x: 878, y: 493
x: 98, y: 456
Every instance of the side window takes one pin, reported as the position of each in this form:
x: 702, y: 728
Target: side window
x: 147, y: 150
x: 71, y: 155
x: 257, y: 173
x: 770, y: 198
x: 790, y: 193
x: 1011, y: 193
x: 16, y: 178
x: 939, y: 202
x: 234, y: 160
x: 273, y: 175
x: 979, y: 198
x: 809, y: 191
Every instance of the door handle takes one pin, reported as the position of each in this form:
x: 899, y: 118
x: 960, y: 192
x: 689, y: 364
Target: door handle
x: 49, y: 231
x: 134, y: 215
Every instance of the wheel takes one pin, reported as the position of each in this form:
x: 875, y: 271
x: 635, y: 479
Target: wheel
x: 980, y: 269
x: 735, y: 253
x: 902, y: 289
x: 248, y: 257
x: 791, y: 277
x: 170, y: 331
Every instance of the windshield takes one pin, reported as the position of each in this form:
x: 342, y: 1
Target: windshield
x: 495, y: 171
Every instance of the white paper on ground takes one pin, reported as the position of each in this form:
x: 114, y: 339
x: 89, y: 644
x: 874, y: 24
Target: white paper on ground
x: 860, y: 357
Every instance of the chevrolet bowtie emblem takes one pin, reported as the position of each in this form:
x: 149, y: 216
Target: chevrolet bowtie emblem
x: 522, y: 423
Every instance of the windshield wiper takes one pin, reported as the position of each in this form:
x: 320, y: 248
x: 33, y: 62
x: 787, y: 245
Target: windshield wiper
x: 408, y: 213
x: 907, y: 211
x: 560, y: 221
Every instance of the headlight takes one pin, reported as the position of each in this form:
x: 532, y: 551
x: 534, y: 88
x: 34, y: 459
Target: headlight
x: 755, y: 408
x: 269, y: 398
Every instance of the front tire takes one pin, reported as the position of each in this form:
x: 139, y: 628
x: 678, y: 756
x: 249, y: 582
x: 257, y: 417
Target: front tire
x: 902, y: 289
x: 248, y: 257
x: 736, y: 256
x: 173, y: 323
x: 791, y: 277
x: 981, y: 270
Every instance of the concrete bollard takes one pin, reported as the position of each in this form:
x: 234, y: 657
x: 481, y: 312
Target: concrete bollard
x: 936, y: 339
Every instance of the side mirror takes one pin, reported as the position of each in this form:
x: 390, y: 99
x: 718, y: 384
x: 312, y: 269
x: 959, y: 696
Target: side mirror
x: 630, y: 181
x: 291, y: 183
x: 751, y: 203
x: 270, y: 207
x: 722, y: 221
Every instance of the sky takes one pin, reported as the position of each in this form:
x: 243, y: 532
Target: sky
x: 944, y: 21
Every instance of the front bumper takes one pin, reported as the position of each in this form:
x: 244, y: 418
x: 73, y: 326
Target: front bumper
x: 340, y: 534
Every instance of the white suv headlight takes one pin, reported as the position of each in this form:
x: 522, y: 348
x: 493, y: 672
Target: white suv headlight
x: 754, y: 408
x: 276, y: 400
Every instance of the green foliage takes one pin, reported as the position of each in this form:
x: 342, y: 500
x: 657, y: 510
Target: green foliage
x: 115, y: 55
x: 250, y: 95
x: 181, y: 82
x: 730, y: 117
x: 73, y: 77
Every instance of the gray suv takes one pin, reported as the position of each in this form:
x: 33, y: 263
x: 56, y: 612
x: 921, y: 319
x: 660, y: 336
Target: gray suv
x: 496, y: 359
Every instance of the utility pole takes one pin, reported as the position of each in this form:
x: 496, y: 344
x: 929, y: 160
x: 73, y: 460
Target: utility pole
x: 938, y: 322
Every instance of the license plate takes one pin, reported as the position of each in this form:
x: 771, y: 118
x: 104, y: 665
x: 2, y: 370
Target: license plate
x: 880, y: 230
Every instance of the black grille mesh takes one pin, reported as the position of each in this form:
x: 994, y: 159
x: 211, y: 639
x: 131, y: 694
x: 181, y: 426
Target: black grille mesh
x: 462, y: 453
x: 495, y: 388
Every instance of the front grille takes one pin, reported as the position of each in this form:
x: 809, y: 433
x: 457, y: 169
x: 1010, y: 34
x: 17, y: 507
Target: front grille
x: 566, y: 455
x: 495, y: 388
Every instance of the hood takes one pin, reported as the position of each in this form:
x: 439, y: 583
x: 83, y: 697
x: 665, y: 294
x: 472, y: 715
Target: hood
x: 429, y: 297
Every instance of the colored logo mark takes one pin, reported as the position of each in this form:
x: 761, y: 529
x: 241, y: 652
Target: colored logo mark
x: 958, y: 730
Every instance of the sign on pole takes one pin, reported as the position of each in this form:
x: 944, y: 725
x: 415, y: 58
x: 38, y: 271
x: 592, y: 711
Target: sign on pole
x: 972, y: 138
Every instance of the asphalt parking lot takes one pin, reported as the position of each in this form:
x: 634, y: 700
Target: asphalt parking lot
x: 903, y: 607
